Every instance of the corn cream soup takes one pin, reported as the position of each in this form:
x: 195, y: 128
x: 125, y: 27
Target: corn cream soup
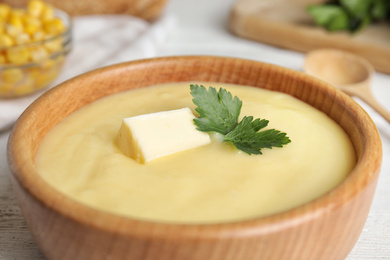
x: 210, y: 183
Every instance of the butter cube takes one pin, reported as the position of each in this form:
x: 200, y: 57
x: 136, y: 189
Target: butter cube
x: 154, y: 135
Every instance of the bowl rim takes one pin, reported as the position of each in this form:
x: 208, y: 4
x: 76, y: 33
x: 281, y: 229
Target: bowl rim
x: 23, y: 172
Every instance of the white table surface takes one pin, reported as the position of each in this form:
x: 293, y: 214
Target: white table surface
x: 201, y: 29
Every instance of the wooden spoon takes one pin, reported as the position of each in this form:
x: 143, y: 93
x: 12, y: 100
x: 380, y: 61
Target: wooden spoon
x: 346, y: 71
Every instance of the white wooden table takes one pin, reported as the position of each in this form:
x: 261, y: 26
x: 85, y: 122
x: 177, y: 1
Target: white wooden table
x: 201, y: 29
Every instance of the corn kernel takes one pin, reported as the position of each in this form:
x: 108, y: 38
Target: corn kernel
x: 22, y: 38
x: 38, y: 36
x: 18, y: 55
x: 5, y: 41
x: 12, y: 75
x: 47, y: 12
x: 16, y: 22
x: 15, y: 18
x: 32, y: 74
x: 48, y: 64
x: 53, y: 46
x: 35, y: 7
x: 31, y: 29
x: 31, y: 24
x: 27, y: 19
x: 17, y: 12
x: 4, y: 11
x: 54, y: 26
x: 12, y: 31
x: 38, y: 53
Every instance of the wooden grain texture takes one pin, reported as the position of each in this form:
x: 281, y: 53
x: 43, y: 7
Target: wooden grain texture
x: 321, y: 229
x: 144, y: 9
x: 286, y: 24
x: 346, y: 71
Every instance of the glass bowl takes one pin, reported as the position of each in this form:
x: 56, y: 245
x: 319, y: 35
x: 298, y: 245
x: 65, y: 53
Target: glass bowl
x: 18, y: 80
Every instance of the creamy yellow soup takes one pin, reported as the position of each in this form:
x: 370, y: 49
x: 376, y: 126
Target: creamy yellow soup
x: 211, y: 183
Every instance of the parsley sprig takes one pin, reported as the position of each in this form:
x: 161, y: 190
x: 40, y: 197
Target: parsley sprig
x: 349, y: 15
x: 219, y: 112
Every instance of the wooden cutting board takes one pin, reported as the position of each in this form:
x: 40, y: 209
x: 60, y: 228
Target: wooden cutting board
x: 145, y: 9
x: 286, y: 24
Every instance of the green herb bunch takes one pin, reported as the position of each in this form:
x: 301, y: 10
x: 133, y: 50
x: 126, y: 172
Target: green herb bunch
x: 219, y: 112
x: 349, y: 15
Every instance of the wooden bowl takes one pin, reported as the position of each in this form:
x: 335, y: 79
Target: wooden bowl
x: 326, y: 228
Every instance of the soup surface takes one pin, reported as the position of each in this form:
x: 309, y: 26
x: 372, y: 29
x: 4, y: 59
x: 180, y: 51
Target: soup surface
x: 211, y: 183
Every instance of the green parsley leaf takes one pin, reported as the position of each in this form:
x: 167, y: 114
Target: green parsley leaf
x: 247, y: 138
x: 219, y: 112
x: 357, y: 8
x: 349, y: 15
x: 332, y: 17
